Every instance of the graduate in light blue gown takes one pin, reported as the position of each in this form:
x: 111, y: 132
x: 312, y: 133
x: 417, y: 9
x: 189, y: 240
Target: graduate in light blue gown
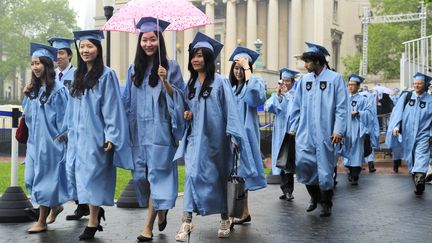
x: 44, y: 108
x: 153, y: 100
x: 65, y: 70
x: 411, y: 125
x: 249, y: 92
x: 397, y: 151
x: 280, y: 104
x: 214, y: 127
x: 98, y: 131
x: 373, y: 128
x: 318, y: 120
x: 357, y: 128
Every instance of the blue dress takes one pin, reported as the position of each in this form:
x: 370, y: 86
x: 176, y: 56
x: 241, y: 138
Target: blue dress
x: 281, y: 107
x: 45, y: 170
x: 156, y: 123
x: 357, y: 128
x: 94, y: 117
x: 206, y: 148
x: 320, y: 109
x: 416, y: 121
x: 251, y: 95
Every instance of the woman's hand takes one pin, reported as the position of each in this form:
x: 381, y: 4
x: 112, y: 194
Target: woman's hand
x: 395, y: 132
x: 187, y: 115
x: 243, y: 61
x: 336, y: 138
x: 107, y: 146
x: 162, y: 73
x: 27, y: 88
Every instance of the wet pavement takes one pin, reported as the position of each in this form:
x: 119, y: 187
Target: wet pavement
x: 382, y: 208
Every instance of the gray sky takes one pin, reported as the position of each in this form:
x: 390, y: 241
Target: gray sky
x: 85, y: 10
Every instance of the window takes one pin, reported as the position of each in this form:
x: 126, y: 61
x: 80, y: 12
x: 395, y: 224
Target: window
x: 335, y: 11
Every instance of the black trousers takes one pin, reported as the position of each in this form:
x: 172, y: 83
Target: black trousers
x: 287, y: 182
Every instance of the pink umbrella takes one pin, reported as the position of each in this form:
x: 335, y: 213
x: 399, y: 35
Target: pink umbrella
x: 180, y: 13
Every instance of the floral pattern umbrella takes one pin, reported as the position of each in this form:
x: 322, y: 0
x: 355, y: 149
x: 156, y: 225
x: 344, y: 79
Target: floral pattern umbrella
x: 180, y: 13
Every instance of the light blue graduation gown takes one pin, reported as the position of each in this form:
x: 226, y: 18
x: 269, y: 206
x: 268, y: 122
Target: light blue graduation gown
x: 357, y: 128
x: 206, y: 148
x: 281, y: 107
x: 374, y: 129
x: 416, y: 121
x: 68, y: 76
x: 248, y: 99
x: 94, y: 117
x: 45, y: 170
x: 397, y: 151
x: 320, y: 109
x: 156, y: 122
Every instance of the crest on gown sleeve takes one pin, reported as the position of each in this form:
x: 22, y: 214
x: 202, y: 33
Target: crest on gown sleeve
x: 43, y: 99
x: 323, y: 85
x: 206, y: 92
x: 422, y: 104
x: 308, y: 85
x: 411, y: 102
x: 353, y: 103
x: 67, y: 83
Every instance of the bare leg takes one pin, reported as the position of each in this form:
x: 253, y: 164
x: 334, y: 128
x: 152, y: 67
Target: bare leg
x: 151, y: 216
x: 246, y: 207
x: 41, y: 224
x: 93, y: 217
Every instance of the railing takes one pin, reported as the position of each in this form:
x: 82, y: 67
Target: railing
x: 417, y: 57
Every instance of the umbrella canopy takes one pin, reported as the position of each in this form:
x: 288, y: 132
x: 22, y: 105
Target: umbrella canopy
x: 382, y: 89
x: 180, y: 13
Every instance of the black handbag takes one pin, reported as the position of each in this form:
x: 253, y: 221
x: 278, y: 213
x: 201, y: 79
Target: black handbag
x: 235, y: 191
x: 286, y: 155
x: 367, y: 146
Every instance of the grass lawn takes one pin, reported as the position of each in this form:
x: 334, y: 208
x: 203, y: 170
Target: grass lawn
x: 123, y: 177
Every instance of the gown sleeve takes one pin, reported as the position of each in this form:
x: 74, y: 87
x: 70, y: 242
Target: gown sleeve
x: 254, y: 92
x: 176, y: 102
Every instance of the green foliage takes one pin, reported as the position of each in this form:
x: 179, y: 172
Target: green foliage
x: 385, y: 40
x: 23, y: 21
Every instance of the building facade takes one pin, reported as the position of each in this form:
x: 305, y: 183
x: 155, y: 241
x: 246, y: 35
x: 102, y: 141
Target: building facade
x: 278, y: 28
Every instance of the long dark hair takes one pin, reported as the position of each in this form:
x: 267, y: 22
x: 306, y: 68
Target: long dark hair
x: 232, y: 77
x: 315, y: 57
x: 48, y: 75
x: 142, y: 62
x: 85, y: 79
x: 209, y: 66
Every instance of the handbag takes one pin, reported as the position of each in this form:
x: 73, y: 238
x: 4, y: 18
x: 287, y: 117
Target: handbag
x: 22, y: 131
x: 235, y: 191
x: 286, y: 155
x: 367, y: 145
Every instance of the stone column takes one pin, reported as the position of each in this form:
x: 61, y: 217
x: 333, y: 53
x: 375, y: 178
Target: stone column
x: 231, y: 30
x: 318, y: 20
x: 251, y: 24
x: 297, y: 47
x: 187, y: 39
x: 210, y: 12
x: 272, y: 36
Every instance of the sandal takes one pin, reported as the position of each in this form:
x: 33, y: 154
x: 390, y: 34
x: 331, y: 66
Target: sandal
x: 184, y: 232
x: 224, y: 230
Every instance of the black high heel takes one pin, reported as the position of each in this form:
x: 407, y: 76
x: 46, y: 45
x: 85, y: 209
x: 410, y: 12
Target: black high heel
x: 89, y: 232
x: 101, y: 214
x: 164, y: 223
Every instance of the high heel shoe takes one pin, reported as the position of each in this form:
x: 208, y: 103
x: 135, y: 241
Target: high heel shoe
x: 164, y: 223
x: 242, y: 221
x: 101, y: 214
x: 55, y: 212
x: 89, y: 232
x: 184, y: 232
x: 142, y: 238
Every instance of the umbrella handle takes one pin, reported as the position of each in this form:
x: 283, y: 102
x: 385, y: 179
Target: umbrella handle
x: 157, y: 23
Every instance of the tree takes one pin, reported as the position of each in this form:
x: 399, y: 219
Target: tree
x: 23, y: 21
x: 385, y: 40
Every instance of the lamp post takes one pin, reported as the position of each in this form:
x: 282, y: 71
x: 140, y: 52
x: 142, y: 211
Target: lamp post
x: 108, y: 11
x: 258, y: 44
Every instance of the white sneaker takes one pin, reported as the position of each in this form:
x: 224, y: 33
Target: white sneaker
x: 224, y: 230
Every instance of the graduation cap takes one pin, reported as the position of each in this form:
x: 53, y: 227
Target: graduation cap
x: 317, y: 49
x: 60, y: 43
x: 424, y: 77
x: 88, y: 34
x: 149, y: 24
x: 203, y: 41
x: 287, y: 73
x: 355, y: 78
x: 240, y: 51
x: 40, y: 50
